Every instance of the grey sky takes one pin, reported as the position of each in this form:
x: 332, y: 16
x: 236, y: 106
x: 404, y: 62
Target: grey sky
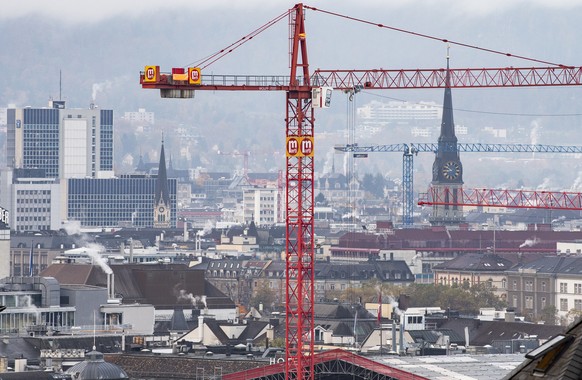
x: 76, y: 11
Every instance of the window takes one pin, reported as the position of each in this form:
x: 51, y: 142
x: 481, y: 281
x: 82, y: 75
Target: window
x: 578, y: 305
x: 504, y: 284
x: 578, y: 288
x: 529, y: 302
x: 543, y: 302
x: 563, y: 304
x: 514, y: 284
x: 543, y: 286
x: 529, y: 286
x: 563, y: 287
x: 514, y: 304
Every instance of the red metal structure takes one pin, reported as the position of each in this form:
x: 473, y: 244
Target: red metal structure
x: 503, y: 198
x: 299, y: 178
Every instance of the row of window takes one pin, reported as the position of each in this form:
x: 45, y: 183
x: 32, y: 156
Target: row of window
x: 33, y: 192
x: 31, y: 218
x: 564, y: 306
x: 529, y: 286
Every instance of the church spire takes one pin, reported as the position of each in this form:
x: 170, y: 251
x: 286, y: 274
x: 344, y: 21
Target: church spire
x: 447, y: 122
x: 162, y: 196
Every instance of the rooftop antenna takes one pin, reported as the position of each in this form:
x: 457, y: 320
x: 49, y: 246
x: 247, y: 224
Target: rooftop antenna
x: 60, y: 84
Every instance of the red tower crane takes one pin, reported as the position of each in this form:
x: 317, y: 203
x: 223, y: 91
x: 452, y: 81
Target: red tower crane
x: 305, y: 90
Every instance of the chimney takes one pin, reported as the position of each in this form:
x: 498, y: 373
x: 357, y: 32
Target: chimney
x: 110, y: 286
x: 201, y: 328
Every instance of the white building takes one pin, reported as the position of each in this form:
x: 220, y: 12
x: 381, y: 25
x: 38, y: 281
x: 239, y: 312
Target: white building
x: 141, y: 116
x: 380, y: 112
x: 261, y: 205
x: 35, y: 204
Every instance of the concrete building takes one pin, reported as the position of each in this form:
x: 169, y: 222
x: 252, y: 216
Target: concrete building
x: 65, y: 143
x: 261, y: 205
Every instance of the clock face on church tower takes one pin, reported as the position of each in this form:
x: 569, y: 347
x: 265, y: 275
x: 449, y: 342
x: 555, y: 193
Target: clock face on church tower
x: 451, y: 170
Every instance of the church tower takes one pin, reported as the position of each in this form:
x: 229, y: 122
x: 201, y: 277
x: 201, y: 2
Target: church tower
x: 162, y: 205
x: 447, y: 170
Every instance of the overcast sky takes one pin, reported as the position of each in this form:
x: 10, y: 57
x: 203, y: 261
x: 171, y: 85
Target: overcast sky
x: 78, y: 10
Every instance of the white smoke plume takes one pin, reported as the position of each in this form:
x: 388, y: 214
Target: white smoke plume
x: 535, y: 132
x: 93, y: 251
x: 206, y: 230
x: 329, y: 159
x: 100, y: 87
x: 194, y: 300
x: 577, y: 185
x: 530, y: 242
x: 545, y: 185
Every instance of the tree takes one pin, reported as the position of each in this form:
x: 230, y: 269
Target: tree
x: 463, y: 298
x: 263, y: 294
x: 374, y: 184
x: 549, y: 314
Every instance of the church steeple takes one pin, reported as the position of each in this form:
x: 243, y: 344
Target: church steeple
x: 447, y: 170
x: 447, y: 122
x: 162, y: 205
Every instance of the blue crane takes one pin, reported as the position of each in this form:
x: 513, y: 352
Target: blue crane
x: 410, y: 149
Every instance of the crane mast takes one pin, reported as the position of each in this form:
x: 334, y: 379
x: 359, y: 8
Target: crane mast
x: 299, y: 256
x: 300, y: 87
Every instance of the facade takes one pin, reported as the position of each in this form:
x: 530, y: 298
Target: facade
x: 33, y: 304
x: 65, y: 143
x: 334, y: 277
x: 127, y: 200
x: 261, y: 205
x: 447, y: 170
x: 36, y: 202
x: 474, y: 269
x: 550, y: 281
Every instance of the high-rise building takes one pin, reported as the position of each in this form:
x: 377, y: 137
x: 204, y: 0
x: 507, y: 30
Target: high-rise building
x: 447, y: 170
x: 46, y: 146
x: 65, y: 143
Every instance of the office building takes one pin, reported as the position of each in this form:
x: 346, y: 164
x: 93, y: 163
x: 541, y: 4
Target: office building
x: 126, y: 201
x: 65, y: 143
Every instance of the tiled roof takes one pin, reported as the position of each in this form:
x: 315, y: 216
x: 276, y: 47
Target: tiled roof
x: 555, y: 264
x: 441, y: 238
x: 483, y: 333
x: 163, y: 286
x: 74, y: 274
x: 477, y: 262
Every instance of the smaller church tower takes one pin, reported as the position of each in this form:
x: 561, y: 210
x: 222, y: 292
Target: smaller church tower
x: 447, y: 170
x: 162, y: 205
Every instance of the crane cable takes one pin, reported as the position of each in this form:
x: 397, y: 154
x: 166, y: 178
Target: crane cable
x: 207, y: 61
x: 416, y: 34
